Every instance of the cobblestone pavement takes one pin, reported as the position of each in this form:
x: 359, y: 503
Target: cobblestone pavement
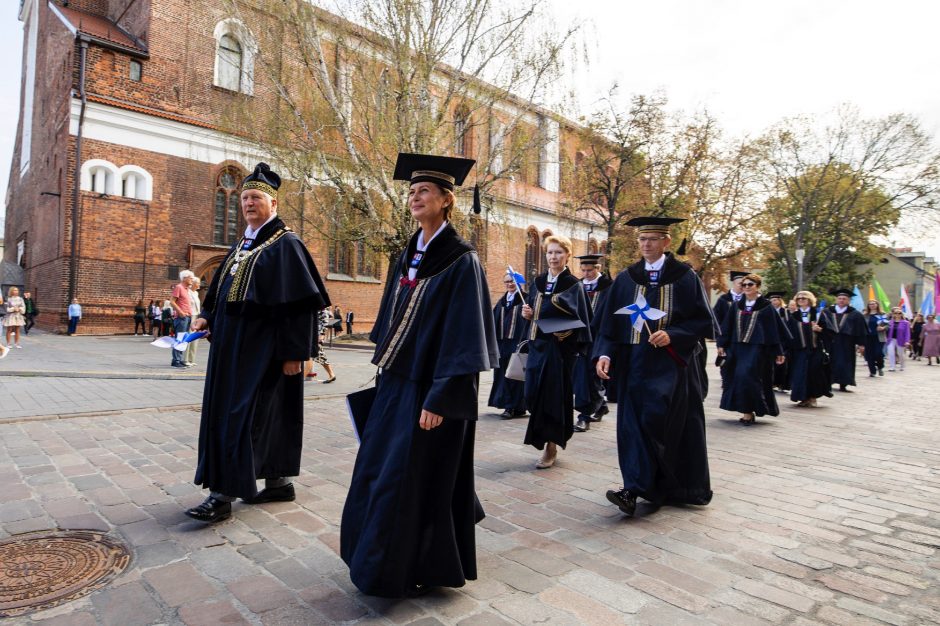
x: 825, y: 515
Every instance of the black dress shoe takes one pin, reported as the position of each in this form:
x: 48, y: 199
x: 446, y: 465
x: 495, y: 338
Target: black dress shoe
x: 416, y: 591
x: 583, y: 425
x: 624, y: 500
x: 210, y: 511
x: 506, y: 415
x: 284, y: 493
x: 519, y: 413
x: 601, y: 412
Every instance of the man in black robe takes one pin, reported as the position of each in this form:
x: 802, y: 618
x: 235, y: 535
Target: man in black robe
x: 511, y: 327
x: 723, y: 306
x: 589, y: 390
x: 660, y: 417
x: 260, y: 310
x: 781, y: 370
x: 846, y: 330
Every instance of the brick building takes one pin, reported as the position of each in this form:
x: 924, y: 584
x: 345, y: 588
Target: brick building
x: 122, y: 174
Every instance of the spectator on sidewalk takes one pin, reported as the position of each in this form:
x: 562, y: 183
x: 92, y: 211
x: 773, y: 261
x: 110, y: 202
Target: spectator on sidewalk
x: 338, y: 320
x: 13, y: 321
x: 183, y: 309
x: 349, y: 321
x: 930, y: 339
x: 319, y: 355
x: 31, y: 311
x: 190, y: 357
x: 75, y: 316
x: 166, y: 319
x: 140, y: 315
x: 155, y: 313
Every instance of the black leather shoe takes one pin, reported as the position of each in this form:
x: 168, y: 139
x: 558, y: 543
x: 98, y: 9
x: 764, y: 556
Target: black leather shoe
x: 582, y: 426
x: 210, y: 511
x: 506, y: 415
x: 624, y: 500
x: 519, y: 413
x: 601, y: 412
x: 284, y: 493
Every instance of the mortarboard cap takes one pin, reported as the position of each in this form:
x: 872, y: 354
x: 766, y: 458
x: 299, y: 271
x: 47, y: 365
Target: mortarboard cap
x: 448, y: 172
x: 736, y: 274
x: 654, y: 224
x: 775, y: 294
x: 590, y: 259
x: 263, y: 179
x: 560, y: 312
x: 842, y: 291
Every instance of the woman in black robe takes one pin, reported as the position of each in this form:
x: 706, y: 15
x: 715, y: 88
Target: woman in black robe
x: 508, y: 394
x: 752, y: 338
x: 809, y: 364
x: 549, y: 388
x: 409, y: 520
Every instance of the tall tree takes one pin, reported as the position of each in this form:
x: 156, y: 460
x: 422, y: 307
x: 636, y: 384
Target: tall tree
x: 454, y: 77
x: 833, y: 189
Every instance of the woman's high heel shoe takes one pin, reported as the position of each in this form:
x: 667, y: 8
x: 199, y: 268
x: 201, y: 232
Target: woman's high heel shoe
x: 548, y: 457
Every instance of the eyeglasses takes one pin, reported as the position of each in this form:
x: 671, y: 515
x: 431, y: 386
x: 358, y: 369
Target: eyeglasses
x: 748, y: 284
x: 648, y: 239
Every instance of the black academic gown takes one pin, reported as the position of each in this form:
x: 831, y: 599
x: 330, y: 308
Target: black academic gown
x: 549, y: 368
x: 752, y: 340
x: 723, y: 306
x: 252, y: 414
x: 588, y: 388
x: 782, y: 371
x: 660, y: 417
x: 511, y: 328
x: 410, y: 514
x: 809, y: 363
x: 844, y: 332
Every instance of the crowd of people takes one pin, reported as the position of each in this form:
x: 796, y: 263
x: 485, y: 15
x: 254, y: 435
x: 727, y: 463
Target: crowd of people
x: 562, y: 347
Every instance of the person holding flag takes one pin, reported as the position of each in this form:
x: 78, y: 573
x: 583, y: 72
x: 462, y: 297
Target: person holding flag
x: 844, y: 331
x: 558, y: 333
x: 589, y: 391
x: 649, y: 333
x: 511, y: 327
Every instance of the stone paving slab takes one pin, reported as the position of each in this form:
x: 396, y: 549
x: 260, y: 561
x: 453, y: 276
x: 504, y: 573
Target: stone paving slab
x: 820, y: 516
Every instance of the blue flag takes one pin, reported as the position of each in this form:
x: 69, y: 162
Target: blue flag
x: 857, y: 303
x: 519, y: 278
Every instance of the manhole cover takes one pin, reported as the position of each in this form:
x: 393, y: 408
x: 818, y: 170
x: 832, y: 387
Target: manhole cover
x: 40, y: 570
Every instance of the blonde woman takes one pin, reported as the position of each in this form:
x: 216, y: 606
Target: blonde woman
x: 553, y: 346
x: 809, y: 366
x: 14, y: 319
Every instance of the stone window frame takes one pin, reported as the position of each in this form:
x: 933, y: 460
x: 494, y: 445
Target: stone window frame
x: 236, y: 29
x: 89, y: 180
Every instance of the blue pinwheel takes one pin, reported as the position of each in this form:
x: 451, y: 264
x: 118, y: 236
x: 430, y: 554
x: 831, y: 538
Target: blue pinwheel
x: 181, y: 343
x: 641, y: 313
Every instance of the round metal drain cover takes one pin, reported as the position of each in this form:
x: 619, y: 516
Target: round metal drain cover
x: 44, y: 569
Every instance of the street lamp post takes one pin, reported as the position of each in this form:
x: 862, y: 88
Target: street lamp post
x: 799, y: 268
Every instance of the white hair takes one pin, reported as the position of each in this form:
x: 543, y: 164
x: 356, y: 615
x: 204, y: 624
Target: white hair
x: 187, y: 274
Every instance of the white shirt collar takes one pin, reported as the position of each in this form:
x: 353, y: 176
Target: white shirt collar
x: 250, y: 233
x: 591, y: 283
x: 551, y: 278
x: 511, y: 296
x: 841, y: 309
x: 422, y: 245
x: 656, y: 265
x: 750, y: 302
x: 806, y: 310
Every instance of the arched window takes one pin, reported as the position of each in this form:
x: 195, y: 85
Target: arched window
x: 533, y: 255
x: 462, y: 132
x: 136, y: 183
x: 225, y: 225
x: 234, y: 56
x: 100, y: 176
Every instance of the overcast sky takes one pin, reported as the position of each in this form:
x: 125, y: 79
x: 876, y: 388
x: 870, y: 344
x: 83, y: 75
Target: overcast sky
x: 750, y: 62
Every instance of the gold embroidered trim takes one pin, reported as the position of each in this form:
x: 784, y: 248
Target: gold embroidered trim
x: 536, y: 307
x: 404, y: 326
x: 245, y: 266
x: 744, y: 334
x: 260, y: 186
x: 634, y: 333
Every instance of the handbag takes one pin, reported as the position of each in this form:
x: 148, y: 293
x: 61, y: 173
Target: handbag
x: 515, y: 369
